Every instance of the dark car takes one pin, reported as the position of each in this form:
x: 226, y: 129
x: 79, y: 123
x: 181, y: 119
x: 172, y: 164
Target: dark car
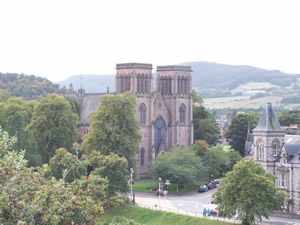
x: 202, y: 188
x: 210, y: 186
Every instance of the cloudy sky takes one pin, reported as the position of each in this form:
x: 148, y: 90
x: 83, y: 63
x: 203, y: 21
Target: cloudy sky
x: 60, y: 38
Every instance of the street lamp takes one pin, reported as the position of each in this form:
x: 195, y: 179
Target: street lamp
x: 159, y: 180
x: 131, y: 172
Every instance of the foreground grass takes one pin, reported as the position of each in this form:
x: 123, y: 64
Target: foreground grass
x: 151, y: 186
x: 152, y: 217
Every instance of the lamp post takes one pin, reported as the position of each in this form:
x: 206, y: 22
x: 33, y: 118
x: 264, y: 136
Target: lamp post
x: 159, y: 180
x: 131, y: 172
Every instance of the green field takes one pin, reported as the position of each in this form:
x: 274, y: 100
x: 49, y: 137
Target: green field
x: 236, y: 102
x: 151, y: 186
x: 153, y: 217
x: 254, y: 86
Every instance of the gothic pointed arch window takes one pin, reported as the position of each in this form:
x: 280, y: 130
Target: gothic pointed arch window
x: 142, y: 159
x: 142, y: 113
x: 260, y: 150
x: 182, y: 112
x: 275, y: 147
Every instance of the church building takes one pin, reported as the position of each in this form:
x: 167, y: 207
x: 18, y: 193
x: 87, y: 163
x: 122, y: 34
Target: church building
x: 278, y: 154
x: 165, y: 114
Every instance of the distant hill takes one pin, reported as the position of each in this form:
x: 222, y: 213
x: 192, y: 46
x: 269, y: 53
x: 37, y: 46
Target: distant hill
x: 28, y: 87
x: 205, y: 75
x: 91, y: 83
x: 215, y: 75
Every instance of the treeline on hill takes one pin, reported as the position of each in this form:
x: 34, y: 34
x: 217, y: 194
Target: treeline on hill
x: 28, y: 87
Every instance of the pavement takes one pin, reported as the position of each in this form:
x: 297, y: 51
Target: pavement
x: 192, y: 204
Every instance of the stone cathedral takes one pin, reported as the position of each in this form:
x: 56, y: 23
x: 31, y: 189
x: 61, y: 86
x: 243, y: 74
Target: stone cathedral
x: 165, y: 115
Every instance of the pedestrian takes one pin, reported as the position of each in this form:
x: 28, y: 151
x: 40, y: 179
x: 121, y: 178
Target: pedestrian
x: 208, y: 212
x: 204, y: 212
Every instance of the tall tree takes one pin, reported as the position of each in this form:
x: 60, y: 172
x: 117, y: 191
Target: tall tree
x: 114, y: 128
x: 54, y: 126
x: 249, y: 191
x: 290, y: 117
x: 237, y: 130
x: 180, y: 166
x: 205, y: 127
x: 113, y: 168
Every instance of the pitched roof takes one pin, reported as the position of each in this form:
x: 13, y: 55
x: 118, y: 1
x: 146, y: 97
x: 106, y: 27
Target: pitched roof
x: 90, y: 104
x: 268, y: 120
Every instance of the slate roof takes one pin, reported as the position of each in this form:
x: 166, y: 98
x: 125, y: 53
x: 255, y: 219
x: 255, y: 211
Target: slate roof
x: 90, y: 104
x: 248, y: 143
x: 268, y: 120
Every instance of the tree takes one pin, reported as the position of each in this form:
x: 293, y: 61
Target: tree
x: 237, y: 130
x: 113, y: 168
x: 249, y: 191
x: 64, y: 161
x: 28, y: 197
x: 200, y: 147
x: 215, y: 160
x: 54, y: 126
x: 290, y: 117
x: 179, y: 165
x: 114, y: 128
x: 205, y: 127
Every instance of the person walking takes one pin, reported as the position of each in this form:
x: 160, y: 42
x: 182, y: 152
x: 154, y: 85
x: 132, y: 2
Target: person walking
x: 204, y: 212
x: 208, y: 212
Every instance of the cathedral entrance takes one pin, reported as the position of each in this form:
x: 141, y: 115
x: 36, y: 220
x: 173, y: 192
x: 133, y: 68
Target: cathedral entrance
x: 160, y: 131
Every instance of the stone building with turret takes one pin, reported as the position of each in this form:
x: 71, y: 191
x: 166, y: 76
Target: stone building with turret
x: 278, y: 154
x: 165, y: 115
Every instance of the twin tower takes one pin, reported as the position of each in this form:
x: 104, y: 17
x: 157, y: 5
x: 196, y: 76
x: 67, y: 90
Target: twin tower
x: 165, y: 115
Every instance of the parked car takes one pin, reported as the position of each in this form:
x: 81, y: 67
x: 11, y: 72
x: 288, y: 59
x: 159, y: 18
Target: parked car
x: 202, y: 188
x: 214, y: 183
x: 210, y: 186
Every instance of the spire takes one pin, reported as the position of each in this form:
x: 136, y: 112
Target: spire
x: 268, y: 120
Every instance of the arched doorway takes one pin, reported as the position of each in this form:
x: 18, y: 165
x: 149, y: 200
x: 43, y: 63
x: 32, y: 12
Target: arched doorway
x: 160, y: 131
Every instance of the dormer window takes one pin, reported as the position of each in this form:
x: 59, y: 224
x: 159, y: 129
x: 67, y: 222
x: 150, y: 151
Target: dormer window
x: 283, y: 159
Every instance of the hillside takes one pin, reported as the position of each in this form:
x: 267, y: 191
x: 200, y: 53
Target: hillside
x: 28, y: 87
x: 91, y: 83
x: 206, y: 75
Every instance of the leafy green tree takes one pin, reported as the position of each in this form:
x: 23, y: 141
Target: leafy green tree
x: 113, y: 168
x: 4, y: 95
x: 248, y: 191
x: 215, y: 159
x: 179, y: 165
x: 290, y: 117
x: 28, y: 197
x: 114, y: 128
x: 16, y: 105
x: 200, y: 147
x: 64, y: 161
x: 205, y: 127
x: 54, y: 126
x: 238, y: 129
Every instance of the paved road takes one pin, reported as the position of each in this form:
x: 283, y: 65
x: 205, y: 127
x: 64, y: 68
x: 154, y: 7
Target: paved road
x: 194, y: 202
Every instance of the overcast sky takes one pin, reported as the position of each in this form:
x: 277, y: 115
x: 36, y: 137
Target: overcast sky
x: 57, y: 39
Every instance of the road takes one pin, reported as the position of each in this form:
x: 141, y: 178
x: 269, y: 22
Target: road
x: 194, y: 202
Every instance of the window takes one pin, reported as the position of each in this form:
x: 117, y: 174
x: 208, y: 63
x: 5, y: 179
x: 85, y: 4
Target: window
x: 142, y: 113
x: 283, y: 159
x: 182, y: 113
x: 282, y: 180
x: 260, y: 150
x: 142, y: 156
x: 275, y: 147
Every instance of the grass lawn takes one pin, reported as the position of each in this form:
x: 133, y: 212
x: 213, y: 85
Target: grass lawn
x: 152, y: 217
x: 147, y: 185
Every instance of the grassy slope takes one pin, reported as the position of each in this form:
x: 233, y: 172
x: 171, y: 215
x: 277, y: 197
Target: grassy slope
x: 145, y: 185
x: 241, y: 102
x: 152, y: 217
